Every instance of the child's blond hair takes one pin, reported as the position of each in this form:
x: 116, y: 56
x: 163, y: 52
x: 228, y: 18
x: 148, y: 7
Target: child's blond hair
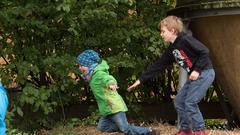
x: 172, y: 22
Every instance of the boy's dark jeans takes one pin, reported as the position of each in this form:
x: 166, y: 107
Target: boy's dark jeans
x: 118, y: 123
x: 187, y: 99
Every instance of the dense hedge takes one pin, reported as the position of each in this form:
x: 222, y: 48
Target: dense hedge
x: 41, y: 39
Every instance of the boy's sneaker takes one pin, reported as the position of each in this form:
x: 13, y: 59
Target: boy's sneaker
x: 184, y: 132
x: 153, y: 132
x: 200, y: 132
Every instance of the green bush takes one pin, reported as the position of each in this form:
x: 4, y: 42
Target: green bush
x: 41, y: 39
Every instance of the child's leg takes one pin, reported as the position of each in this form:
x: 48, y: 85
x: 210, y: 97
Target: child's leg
x: 179, y: 104
x: 3, y: 110
x: 121, y: 121
x: 105, y: 124
x: 197, y: 90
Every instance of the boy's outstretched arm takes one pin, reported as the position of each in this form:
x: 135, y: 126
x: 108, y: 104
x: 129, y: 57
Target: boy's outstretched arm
x: 137, y: 82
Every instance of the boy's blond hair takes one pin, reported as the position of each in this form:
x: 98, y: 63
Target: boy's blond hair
x: 172, y: 22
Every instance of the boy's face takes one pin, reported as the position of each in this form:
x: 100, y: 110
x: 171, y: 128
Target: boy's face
x: 83, y: 68
x: 167, y: 35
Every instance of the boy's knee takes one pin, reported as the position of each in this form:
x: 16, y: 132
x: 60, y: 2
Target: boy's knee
x: 102, y: 128
x: 191, y: 107
x: 178, y: 103
x: 107, y: 128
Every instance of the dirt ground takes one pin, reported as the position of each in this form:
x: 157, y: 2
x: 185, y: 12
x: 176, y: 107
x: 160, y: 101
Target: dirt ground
x: 164, y: 129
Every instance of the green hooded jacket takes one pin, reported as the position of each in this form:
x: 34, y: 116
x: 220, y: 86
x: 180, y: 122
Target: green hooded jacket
x: 109, y: 101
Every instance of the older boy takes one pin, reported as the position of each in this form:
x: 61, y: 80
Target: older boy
x: 3, y: 109
x: 111, y: 106
x: 193, y: 56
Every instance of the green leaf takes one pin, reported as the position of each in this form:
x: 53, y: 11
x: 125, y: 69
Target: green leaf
x: 19, y: 111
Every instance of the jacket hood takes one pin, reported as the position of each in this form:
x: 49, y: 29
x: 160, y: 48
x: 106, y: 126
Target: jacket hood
x: 103, y: 66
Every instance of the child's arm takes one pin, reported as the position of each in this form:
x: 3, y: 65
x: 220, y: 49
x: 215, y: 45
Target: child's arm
x: 163, y: 62
x: 133, y: 85
x: 110, y: 82
x: 203, y: 54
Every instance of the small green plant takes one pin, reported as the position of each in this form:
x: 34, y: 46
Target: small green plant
x: 93, y: 118
x: 18, y: 132
x: 73, y: 122
x: 64, y: 131
x: 215, y: 123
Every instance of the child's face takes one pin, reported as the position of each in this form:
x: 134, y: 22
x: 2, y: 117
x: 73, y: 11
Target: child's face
x: 83, y: 68
x: 167, y: 35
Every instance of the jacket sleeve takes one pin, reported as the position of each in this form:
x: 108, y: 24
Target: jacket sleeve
x: 109, y: 79
x: 203, y: 55
x: 163, y: 62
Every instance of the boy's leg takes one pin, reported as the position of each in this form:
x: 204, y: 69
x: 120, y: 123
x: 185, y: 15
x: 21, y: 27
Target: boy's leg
x: 197, y: 90
x: 3, y: 110
x: 105, y: 124
x: 179, y: 104
x: 121, y: 121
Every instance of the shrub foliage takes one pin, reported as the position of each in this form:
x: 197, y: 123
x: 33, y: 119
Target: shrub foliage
x: 41, y: 39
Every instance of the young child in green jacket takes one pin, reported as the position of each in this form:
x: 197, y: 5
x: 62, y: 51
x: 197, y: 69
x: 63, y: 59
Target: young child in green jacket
x: 111, y: 106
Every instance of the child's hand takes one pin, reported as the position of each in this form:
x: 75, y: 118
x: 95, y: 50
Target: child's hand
x: 134, y: 85
x: 194, y: 75
x: 113, y: 87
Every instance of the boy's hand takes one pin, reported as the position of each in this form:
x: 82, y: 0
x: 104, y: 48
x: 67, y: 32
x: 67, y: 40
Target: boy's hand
x: 194, y: 75
x: 134, y: 85
x: 113, y: 87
